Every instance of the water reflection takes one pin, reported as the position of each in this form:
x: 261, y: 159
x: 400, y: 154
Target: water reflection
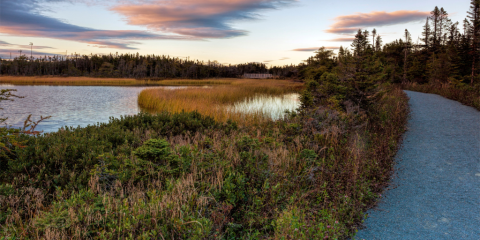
x: 87, y: 105
x: 272, y: 106
x: 70, y: 105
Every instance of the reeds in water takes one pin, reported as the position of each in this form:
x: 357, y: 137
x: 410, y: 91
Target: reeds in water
x: 220, y: 102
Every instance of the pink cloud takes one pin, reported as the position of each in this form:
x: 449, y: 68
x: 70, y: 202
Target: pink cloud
x: 313, y: 49
x: 347, y: 24
x: 201, y: 19
x: 341, y: 39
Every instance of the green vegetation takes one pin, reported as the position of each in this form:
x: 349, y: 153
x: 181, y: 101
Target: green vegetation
x: 186, y: 175
x: 150, y: 67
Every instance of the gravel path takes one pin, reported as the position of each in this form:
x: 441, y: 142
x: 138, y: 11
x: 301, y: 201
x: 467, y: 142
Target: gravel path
x: 435, y: 192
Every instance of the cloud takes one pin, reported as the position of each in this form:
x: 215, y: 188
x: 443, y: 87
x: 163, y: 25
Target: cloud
x: 17, y: 46
x: 267, y: 61
x: 5, y: 53
x: 348, y: 24
x: 342, y: 39
x: 20, y: 18
x: 200, y: 19
x: 284, y: 58
x: 313, y: 49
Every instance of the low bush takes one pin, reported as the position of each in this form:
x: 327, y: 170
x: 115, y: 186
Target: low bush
x: 186, y: 176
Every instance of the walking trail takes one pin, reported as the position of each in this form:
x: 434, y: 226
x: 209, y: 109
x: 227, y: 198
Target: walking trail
x: 435, y: 192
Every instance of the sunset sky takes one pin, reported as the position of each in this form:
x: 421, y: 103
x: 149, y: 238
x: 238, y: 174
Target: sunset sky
x: 276, y: 32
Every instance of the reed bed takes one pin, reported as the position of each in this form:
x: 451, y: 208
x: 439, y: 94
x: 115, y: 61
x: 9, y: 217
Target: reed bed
x: 90, y: 81
x: 217, y: 101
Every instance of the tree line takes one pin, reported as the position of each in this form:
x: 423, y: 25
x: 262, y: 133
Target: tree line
x: 446, y: 53
x: 133, y: 66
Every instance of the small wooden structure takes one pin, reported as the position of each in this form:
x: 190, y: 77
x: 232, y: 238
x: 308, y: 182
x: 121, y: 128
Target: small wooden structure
x: 257, y: 75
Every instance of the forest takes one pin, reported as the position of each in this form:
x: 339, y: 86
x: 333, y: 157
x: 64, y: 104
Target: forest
x: 133, y: 66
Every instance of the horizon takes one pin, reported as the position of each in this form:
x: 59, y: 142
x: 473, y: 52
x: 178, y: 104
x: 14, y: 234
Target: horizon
x: 273, y: 32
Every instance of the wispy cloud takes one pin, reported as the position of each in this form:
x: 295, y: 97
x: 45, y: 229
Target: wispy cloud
x: 5, y: 53
x: 19, y: 46
x: 348, y: 24
x: 284, y: 58
x: 341, y: 39
x: 21, y: 18
x: 313, y: 49
x: 200, y: 19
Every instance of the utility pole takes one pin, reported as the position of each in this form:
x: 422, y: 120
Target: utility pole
x: 20, y: 52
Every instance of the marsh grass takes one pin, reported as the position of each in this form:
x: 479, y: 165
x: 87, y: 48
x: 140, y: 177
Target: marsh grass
x: 186, y: 176
x: 90, y: 81
x: 217, y: 101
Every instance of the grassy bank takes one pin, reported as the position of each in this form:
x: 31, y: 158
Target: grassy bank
x: 214, y: 101
x: 465, y: 94
x: 90, y: 81
x: 187, y: 176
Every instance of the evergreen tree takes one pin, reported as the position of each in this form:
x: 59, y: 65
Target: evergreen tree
x: 408, y: 41
x: 426, y: 33
x: 474, y: 16
x: 435, y: 16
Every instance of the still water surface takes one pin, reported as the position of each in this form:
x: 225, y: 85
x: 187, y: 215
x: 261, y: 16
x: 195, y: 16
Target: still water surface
x: 87, y: 105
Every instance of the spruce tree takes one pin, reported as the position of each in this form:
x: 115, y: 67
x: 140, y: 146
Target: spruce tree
x: 474, y: 16
x: 426, y: 34
x: 435, y: 18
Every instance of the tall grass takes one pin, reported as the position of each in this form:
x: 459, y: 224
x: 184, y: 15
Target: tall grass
x: 465, y: 94
x: 90, y: 81
x: 186, y: 176
x: 214, y: 101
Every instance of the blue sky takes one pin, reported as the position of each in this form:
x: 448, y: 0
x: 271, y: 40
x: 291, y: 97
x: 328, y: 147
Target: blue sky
x: 234, y: 31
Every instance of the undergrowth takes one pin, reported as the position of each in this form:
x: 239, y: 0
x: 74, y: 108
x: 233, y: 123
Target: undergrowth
x: 468, y: 95
x: 186, y: 176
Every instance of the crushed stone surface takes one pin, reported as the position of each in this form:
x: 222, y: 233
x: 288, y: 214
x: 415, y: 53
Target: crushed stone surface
x: 435, y: 190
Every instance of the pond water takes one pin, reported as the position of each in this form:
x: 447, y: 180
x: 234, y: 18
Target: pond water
x: 271, y: 106
x: 87, y: 105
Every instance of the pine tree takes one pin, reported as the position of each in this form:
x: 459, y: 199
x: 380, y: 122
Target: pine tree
x: 378, y: 43
x: 408, y: 41
x: 474, y: 16
x: 435, y: 18
x: 442, y: 24
x: 426, y: 33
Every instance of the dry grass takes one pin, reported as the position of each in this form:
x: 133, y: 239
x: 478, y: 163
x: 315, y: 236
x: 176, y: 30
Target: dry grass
x: 465, y: 94
x: 89, y: 81
x: 214, y: 101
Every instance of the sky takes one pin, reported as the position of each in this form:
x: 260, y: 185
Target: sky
x: 275, y: 32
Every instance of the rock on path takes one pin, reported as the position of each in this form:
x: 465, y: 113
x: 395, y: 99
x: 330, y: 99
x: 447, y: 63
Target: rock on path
x: 435, y: 191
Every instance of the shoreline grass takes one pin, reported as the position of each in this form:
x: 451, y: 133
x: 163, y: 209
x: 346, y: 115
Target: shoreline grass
x: 90, y: 81
x: 214, y: 101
